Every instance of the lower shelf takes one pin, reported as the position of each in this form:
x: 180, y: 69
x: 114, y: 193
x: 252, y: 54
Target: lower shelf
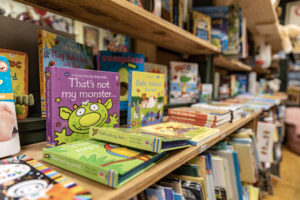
x: 149, y: 177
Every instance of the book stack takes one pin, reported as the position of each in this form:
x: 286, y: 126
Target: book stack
x: 199, y: 116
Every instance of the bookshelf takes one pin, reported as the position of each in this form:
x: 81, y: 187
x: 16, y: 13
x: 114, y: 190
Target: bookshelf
x: 260, y: 70
x: 231, y: 64
x: 149, y: 177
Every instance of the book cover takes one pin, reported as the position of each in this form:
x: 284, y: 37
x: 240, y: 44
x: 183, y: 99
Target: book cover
x: 122, y: 63
x: 176, y: 12
x: 58, y: 51
x: 145, y: 99
x: 199, y: 24
x: 196, y: 133
x: 234, y: 30
x: 197, y: 122
x: 78, y: 99
x: 265, y: 135
x: 22, y: 177
x: 9, y: 134
x: 102, y: 162
x: 160, y: 69
x: 155, y: 193
x: 139, y: 139
x: 183, y: 86
x: 206, y: 92
x: 18, y: 63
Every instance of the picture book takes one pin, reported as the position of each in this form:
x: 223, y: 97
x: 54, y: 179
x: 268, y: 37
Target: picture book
x: 78, y: 99
x: 199, y: 24
x: 122, y: 63
x: 160, y: 69
x: 183, y: 82
x: 197, y: 122
x: 22, y: 177
x: 197, y: 134
x: 102, y: 162
x: 176, y: 12
x: 139, y: 139
x: 9, y: 134
x: 58, y: 51
x: 18, y: 63
x: 155, y: 193
x: 145, y: 100
x: 234, y: 30
x: 206, y: 92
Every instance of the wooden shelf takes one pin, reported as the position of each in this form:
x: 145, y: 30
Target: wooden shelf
x: 149, y: 177
x: 261, y: 70
x: 231, y: 64
x: 129, y: 19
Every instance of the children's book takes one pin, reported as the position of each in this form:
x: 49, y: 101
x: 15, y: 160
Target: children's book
x: 197, y: 134
x: 206, y: 92
x: 234, y: 30
x: 183, y: 82
x: 155, y: 193
x: 58, y: 51
x: 198, y: 122
x: 160, y: 69
x: 140, y: 139
x: 122, y: 63
x: 18, y: 63
x: 102, y: 162
x: 145, y: 100
x: 199, y: 24
x: 176, y: 12
x: 78, y: 99
x: 22, y: 177
x: 9, y: 134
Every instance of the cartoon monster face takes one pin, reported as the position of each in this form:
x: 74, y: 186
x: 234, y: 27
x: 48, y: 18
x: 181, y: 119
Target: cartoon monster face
x: 86, y: 115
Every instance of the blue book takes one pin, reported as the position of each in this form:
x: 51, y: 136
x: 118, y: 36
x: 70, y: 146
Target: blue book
x: 154, y: 193
x: 177, y: 196
x: 122, y: 63
x: 243, y: 83
x: 237, y: 174
x: 169, y: 193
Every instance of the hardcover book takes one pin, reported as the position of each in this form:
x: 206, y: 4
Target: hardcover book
x: 18, y: 63
x: 140, y: 139
x: 145, y: 100
x: 78, y: 99
x: 206, y: 92
x: 21, y: 177
x: 199, y: 24
x: 9, y: 134
x: 160, y: 69
x: 102, y: 162
x: 122, y: 63
x: 58, y: 51
x: 183, y: 82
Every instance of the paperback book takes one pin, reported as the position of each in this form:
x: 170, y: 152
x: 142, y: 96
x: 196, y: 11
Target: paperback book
x: 25, y: 178
x: 9, y: 134
x: 122, y: 63
x: 18, y: 63
x: 78, y: 99
x: 102, y: 162
x: 206, y: 92
x: 145, y: 100
x: 199, y: 24
x: 183, y: 82
x: 58, y: 51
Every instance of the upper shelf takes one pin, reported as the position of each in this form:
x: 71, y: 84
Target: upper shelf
x: 231, y: 64
x: 129, y: 19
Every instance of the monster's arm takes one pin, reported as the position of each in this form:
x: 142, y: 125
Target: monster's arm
x: 113, y: 121
x: 62, y: 138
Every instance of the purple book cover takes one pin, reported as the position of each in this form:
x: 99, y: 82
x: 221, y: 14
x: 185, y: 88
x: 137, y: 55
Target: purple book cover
x: 77, y: 99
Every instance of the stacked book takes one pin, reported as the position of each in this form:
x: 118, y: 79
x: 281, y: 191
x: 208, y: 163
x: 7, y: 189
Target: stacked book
x: 199, y: 116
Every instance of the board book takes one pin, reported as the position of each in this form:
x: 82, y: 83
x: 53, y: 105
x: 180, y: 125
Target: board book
x: 183, y: 86
x: 18, y: 63
x: 160, y: 69
x: 78, y: 99
x: 139, y: 139
x: 145, y: 100
x: 122, y: 63
x: 22, y: 177
x: 9, y: 134
x: 197, y: 134
x: 58, y: 51
x: 102, y: 162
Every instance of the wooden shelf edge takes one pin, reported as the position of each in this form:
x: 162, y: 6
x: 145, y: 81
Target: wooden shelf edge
x: 231, y: 64
x: 149, y: 177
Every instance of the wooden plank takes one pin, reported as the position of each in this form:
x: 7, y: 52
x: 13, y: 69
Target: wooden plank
x: 261, y: 70
x: 129, y: 19
x: 231, y: 64
x: 149, y: 177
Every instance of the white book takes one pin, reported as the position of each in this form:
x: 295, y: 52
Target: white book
x: 265, y: 137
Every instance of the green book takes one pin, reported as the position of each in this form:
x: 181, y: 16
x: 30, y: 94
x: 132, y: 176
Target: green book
x: 102, y: 162
x: 140, y: 139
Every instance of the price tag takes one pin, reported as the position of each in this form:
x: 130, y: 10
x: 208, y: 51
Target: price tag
x: 203, y: 148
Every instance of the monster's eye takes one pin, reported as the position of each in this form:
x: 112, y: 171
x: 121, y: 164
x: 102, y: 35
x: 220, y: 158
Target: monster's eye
x: 80, y: 112
x: 94, y: 107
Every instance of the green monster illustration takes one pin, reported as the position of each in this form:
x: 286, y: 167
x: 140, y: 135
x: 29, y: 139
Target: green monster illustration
x: 82, y: 117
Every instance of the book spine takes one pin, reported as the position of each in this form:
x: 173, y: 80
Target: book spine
x: 237, y: 174
x: 195, y: 121
x: 49, y: 127
x: 129, y: 99
x: 94, y: 172
x: 42, y: 72
x: 199, y: 116
x: 189, y: 121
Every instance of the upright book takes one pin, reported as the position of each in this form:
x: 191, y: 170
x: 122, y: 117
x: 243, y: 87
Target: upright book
x: 19, y: 75
x: 122, y: 63
x: 78, y: 99
x: 102, y: 162
x: 183, y: 82
x: 22, y: 177
x: 58, y: 51
x: 145, y: 100
x: 9, y: 135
